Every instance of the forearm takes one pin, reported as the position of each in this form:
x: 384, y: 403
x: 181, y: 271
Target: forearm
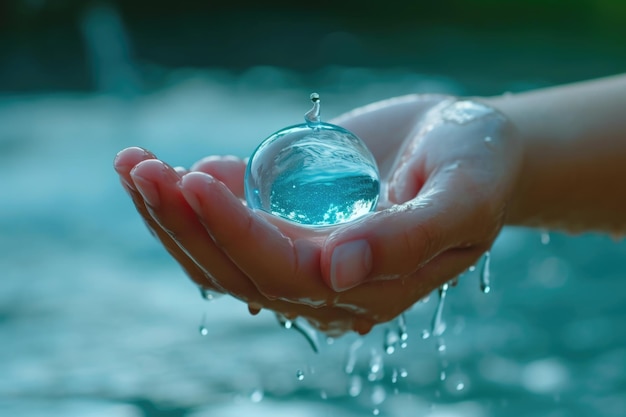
x: 574, y: 141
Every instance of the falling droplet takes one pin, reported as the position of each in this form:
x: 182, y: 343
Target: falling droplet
x: 302, y: 327
x: 545, y: 237
x: 403, y: 373
x: 257, y: 396
x: 208, y: 295
x: 254, y: 308
x: 355, y: 386
x: 375, y: 411
x: 438, y: 325
x: 391, y: 341
x: 485, y: 285
x: 300, y: 375
x: 402, y: 331
x: 472, y: 268
x: 376, y: 371
x: 202, y: 329
x: 394, y: 376
x: 284, y: 321
x: 454, y: 281
x: 425, y: 334
x: 441, y: 345
x: 352, y: 356
x: 378, y: 394
x: 460, y: 386
x: 442, y: 375
x: 488, y: 139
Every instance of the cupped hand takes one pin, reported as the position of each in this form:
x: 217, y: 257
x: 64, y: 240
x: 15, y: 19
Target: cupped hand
x: 449, y: 169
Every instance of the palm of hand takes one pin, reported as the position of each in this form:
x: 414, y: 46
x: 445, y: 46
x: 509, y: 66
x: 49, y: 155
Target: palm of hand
x: 446, y: 185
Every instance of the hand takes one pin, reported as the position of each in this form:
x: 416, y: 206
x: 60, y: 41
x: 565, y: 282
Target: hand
x: 449, y: 169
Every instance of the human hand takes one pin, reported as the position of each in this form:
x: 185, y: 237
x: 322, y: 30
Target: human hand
x: 445, y: 191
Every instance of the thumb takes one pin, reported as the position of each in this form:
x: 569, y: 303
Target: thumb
x: 398, y: 241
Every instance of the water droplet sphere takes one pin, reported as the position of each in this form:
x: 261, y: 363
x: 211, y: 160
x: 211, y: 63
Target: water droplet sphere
x: 315, y: 174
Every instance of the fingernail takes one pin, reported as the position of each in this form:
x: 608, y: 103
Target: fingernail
x: 189, y: 189
x: 148, y: 190
x: 350, y: 264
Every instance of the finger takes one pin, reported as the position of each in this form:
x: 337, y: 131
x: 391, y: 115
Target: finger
x: 158, y: 184
x: 281, y: 267
x: 228, y: 169
x: 177, y: 219
x: 124, y: 163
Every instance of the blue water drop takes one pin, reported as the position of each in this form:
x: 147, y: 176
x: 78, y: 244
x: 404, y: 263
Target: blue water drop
x: 315, y: 174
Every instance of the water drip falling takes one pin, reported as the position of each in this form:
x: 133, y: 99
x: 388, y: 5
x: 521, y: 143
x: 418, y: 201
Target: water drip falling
x: 376, y: 368
x: 254, y: 308
x: 402, y: 331
x: 355, y: 386
x: 351, y: 362
x: 394, y: 376
x: 378, y: 394
x: 545, y: 237
x: 438, y: 325
x: 485, y: 285
x: 392, y: 339
x: 208, y: 295
x: 202, y: 329
x: 303, y: 328
x: 441, y: 345
x: 257, y: 396
x: 300, y: 374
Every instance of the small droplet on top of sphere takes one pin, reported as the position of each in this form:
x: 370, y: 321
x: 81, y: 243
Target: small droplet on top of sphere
x: 315, y: 174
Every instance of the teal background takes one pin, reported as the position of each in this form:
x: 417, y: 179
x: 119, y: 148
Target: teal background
x: 97, y: 320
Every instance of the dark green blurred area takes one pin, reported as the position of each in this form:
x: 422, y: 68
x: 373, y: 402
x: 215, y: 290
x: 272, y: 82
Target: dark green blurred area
x: 42, y: 44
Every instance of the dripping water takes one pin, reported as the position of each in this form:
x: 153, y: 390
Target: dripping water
x: 303, y: 328
x: 402, y: 331
x: 202, y: 329
x: 257, y: 396
x: 485, y: 285
x: 391, y: 342
x: 208, y: 295
x: 351, y: 361
x: 376, y: 367
x: 545, y: 237
x: 355, y: 386
x: 438, y: 325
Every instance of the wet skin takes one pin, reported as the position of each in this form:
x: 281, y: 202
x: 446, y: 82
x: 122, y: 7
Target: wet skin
x: 444, y: 200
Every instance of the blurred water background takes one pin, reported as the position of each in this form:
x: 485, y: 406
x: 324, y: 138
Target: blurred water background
x: 97, y: 320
